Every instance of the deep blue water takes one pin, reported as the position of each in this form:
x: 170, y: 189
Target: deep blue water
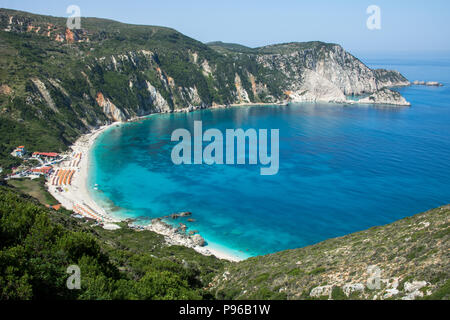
x: 343, y: 168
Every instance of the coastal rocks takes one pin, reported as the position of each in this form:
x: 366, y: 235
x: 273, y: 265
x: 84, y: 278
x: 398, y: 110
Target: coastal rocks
x: 427, y: 83
x: 198, y: 240
x: 178, y: 215
x: 185, y: 214
x: 385, y: 96
x: 176, y: 236
x: 182, y: 227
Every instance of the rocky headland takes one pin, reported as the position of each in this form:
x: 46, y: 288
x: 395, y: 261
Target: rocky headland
x: 385, y: 96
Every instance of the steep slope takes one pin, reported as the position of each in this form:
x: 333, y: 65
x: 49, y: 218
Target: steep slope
x: 37, y: 245
x: 317, y: 71
x: 57, y: 83
x: 408, y: 259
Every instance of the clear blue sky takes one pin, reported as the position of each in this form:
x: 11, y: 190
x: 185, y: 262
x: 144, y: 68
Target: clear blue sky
x: 406, y: 26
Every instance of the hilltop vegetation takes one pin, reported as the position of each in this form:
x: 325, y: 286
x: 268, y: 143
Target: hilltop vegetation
x: 37, y: 245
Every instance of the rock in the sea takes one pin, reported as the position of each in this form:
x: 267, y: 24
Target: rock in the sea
x: 185, y: 214
x: 429, y: 83
x: 182, y: 227
x: 385, y: 96
x: 198, y: 240
x: 434, y: 84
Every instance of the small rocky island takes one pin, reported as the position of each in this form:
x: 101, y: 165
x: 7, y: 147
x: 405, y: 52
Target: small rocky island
x: 427, y: 83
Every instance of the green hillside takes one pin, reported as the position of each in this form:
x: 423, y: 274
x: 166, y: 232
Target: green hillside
x: 37, y: 245
x: 411, y: 250
x: 56, y: 84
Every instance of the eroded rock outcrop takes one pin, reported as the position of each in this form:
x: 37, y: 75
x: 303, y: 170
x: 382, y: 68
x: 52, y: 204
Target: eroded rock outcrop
x: 40, y: 86
x: 175, y: 236
x: 109, y: 108
x: 5, y: 90
x: 386, y: 96
x: 157, y: 99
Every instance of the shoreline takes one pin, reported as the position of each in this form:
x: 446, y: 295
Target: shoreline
x: 76, y: 196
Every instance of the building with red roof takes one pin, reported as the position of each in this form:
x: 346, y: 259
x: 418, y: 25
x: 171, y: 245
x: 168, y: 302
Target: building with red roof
x: 44, y: 170
x: 45, y: 154
x: 19, y: 152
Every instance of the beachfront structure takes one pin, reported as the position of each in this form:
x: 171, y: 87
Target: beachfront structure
x: 19, y: 152
x: 47, y: 155
x: 42, y: 170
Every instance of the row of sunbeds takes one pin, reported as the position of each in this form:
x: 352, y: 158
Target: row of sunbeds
x: 63, y: 177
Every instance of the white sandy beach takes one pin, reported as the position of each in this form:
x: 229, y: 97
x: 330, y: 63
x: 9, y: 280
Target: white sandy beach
x: 77, y: 197
x: 77, y: 193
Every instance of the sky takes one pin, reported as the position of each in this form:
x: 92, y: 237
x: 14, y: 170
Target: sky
x: 406, y: 27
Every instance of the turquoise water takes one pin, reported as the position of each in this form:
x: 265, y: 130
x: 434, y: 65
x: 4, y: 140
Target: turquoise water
x: 343, y: 168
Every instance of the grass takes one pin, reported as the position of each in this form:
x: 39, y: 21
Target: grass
x: 34, y: 188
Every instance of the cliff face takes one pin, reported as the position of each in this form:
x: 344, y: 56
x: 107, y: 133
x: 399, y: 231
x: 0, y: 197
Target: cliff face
x: 110, y: 71
x: 325, y: 72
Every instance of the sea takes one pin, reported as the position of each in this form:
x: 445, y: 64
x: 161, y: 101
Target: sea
x: 342, y: 168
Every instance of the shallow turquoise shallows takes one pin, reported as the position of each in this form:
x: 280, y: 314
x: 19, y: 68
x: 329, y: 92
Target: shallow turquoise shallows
x: 343, y: 168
